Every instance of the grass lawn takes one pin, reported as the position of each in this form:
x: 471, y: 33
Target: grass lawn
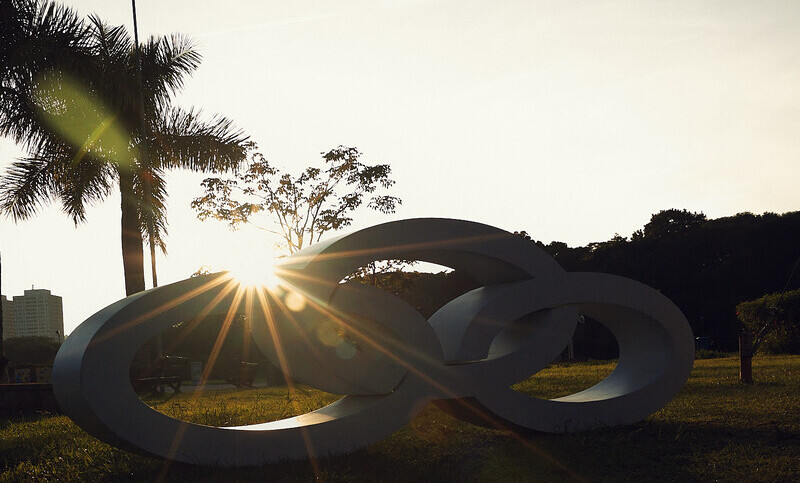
x: 715, y: 429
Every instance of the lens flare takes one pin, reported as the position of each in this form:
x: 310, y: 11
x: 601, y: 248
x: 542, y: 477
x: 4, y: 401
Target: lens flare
x: 295, y: 301
x: 256, y: 275
x: 251, y: 263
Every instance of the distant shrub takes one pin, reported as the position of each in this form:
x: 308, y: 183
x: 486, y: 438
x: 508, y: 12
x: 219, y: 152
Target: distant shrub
x: 774, y: 321
x: 782, y: 340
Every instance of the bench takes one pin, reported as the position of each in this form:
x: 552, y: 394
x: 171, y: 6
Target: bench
x: 168, y: 370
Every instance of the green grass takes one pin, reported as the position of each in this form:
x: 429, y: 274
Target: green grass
x: 231, y: 407
x: 716, y: 429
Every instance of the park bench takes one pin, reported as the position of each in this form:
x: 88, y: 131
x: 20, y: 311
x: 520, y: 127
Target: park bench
x: 168, y: 371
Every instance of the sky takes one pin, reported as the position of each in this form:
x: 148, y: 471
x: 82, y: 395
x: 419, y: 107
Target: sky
x: 571, y: 120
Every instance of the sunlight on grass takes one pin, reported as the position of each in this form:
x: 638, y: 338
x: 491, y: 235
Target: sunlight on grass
x: 236, y: 407
x: 715, y: 429
x: 567, y: 378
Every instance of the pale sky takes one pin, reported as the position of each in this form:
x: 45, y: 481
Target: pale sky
x: 570, y: 120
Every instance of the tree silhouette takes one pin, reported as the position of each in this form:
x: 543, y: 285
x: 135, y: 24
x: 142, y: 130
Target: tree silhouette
x: 763, y: 317
x: 705, y: 266
x: 303, y: 207
x: 70, y: 98
x: 670, y: 222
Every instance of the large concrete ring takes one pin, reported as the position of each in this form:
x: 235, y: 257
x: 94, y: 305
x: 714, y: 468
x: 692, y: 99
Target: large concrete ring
x: 386, y: 358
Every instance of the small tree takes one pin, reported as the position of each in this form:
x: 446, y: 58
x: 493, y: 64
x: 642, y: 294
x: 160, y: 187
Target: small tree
x: 304, y: 207
x: 763, y: 317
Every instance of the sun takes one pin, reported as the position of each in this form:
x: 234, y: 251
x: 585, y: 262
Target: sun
x: 250, y: 261
x: 254, y: 271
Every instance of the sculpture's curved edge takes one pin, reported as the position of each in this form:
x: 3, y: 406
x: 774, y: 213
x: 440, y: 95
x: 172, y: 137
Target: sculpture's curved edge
x: 74, y: 366
x: 93, y: 387
x: 656, y: 358
x: 486, y: 253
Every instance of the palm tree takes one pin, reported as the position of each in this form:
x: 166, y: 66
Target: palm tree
x: 71, y: 100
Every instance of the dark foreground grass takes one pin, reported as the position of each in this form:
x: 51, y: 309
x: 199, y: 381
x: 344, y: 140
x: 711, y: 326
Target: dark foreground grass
x: 716, y: 429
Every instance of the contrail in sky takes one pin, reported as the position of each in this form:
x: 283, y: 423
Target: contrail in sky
x: 271, y: 23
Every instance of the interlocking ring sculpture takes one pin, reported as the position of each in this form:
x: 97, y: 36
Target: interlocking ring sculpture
x: 389, y: 361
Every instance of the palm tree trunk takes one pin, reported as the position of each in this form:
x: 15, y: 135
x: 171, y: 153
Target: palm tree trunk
x: 132, y: 246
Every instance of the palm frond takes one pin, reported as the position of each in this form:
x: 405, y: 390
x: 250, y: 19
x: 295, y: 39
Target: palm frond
x: 27, y: 185
x: 36, y: 38
x: 81, y: 184
x: 156, y: 210
x: 57, y: 171
x: 111, y: 44
x: 182, y: 140
x: 166, y: 62
x: 115, y: 81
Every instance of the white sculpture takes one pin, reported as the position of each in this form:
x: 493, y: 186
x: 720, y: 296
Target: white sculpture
x: 380, y: 353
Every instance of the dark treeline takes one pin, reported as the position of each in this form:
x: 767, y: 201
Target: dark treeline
x: 706, y: 267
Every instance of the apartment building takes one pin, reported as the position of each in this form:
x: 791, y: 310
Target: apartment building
x: 8, y: 317
x: 36, y: 313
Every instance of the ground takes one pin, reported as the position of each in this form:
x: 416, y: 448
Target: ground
x: 716, y: 429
